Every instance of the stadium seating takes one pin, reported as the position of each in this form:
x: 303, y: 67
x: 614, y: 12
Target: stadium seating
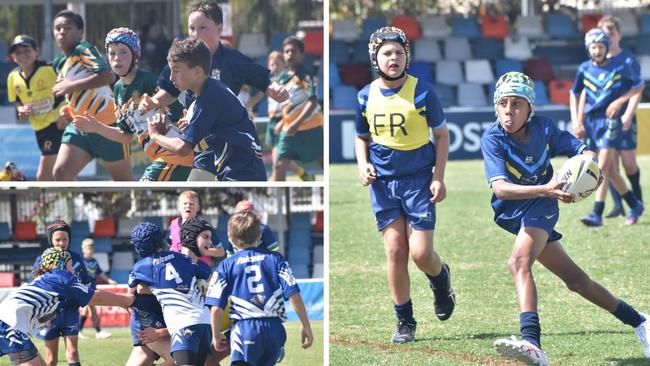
x: 344, y: 30
x: 541, y: 94
x: 339, y: 53
x: 539, y: 69
x: 464, y: 27
x: 629, y: 24
x: 449, y: 72
x: 357, y: 75
x: 559, y: 91
x: 457, y: 49
x: 103, y: 244
x: 335, y: 77
x: 426, y: 50
x: 318, y: 270
x: 494, y: 27
x: 644, y: 23
x: 5, y: 69
x: 505, y: 65
x: 102, y: 259
x: 300, y: 270
x: 422, y: 71
x: 8, y: 279
x: 319, y: 223
x: 561, y: 26
x: 301, y: 220
x: 446, y: 95
x: 253, y: 45
x: 370, y: 25
x: 276, y: 40
x: 360, y: 52
x: 409, y: 25
x: 125, y: 225
x: 120, y: 275
x: 530, y: 27
x: 104, y: 229
x: 479, y: 72
x: 590, y: 21
x: 344, y: 97
x: 471, y: 95
x: 123, y: 260
x: 434, y: 26
x: 26, y: 231
x: 5, y: 231
x: 80, y: 228
x: 318, y: 254
x: 644, y: 61
x: 642, y: 44
x: 517, y: 48
x: 314, y: 42
x: 487, y: 48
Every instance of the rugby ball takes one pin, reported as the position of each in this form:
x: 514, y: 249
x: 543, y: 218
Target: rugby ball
x: 580, y: 176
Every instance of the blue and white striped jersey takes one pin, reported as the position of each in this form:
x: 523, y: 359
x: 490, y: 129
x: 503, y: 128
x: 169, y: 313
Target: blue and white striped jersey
x: 172, y: 279
x: 256, y: 280
x: 35, y: 304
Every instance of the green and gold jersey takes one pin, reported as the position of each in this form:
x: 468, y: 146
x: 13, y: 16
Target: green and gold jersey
x: 301, y: 85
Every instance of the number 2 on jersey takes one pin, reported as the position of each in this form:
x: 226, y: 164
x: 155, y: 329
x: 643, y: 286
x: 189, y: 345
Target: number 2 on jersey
x: 254, y: 287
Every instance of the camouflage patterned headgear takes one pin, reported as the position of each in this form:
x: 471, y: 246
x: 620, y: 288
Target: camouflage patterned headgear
x: 383, y: 35
x: 54, y: 258
x: 517, y: 84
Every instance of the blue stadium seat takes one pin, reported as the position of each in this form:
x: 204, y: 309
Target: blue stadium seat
x: 339, y: 52
x: 370, y: 25
x: 120, y: 275
x: 644, y: 23
x: 488, y: 48
x: 299, y: 238
x: 5, y: 232
x: 541, y: 93
x: 299, y: 255
x: 465, y: 27
x: 103, y: 245
x: 301, y: 220
x: 561, y: 26
x: 276, y: 40
x: 75, y: 243
x: 300, y: 271
x: 471, y: 95
x: 642, y: 44
x: 449, y: 72
x: 562, y: 55
x: 360, y: 52
x: 5, y: 69
x: 335, y: 77
x: 446, y: 95
x: 80, y: 229
x: 344, y: 97
x: 422, y: 71
x: 505, y: 64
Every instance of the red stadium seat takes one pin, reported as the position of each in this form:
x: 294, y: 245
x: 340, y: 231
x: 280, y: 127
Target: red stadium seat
x: 357, y: 75
x: 590, y: 21
x: 26, y: 231
x: 539, y: 69
x: 320, y: 222
x: 314, y: 42
x: 559, y: 91
x: 230, y: 41
x: 105, y: 229
x: 494, y: 27
x: 409, y: 25
x: 8, y: 279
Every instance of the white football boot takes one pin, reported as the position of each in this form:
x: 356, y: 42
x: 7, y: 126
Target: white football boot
x: 522, y: 350
x: 643, y: 332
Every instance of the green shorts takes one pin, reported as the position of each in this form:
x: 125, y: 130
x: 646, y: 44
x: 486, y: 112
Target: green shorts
x: 271, y: 138
x: 303, y: 146
x: 165, y: 172
x: 95, y: 145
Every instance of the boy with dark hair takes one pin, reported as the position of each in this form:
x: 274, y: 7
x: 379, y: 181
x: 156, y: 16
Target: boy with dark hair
x: 30, y: 86
x: 257, y: 281
x: 301, y: 128
x: 218, y: 122
x: 84, y: 79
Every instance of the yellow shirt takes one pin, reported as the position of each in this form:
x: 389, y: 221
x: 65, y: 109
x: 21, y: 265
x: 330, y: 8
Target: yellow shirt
x: 36, y: 91
x: 394, y: 120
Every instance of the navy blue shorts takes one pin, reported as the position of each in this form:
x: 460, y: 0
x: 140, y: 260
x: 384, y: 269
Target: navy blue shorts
x: 66, y: 323
x: 257, y: 342
x: 146, y: 313
x: 546, y: 223
x: 629, y: 137
x: 12, y: 341
x: 408, y: 197
x: 604, y: 133
x: 195, y: 338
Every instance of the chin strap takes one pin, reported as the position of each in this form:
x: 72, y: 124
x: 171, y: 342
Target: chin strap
x: 389, y: 78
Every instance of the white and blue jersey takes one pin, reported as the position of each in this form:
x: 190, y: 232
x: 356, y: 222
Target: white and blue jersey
x: 257, y: 282
x: 35, y: 305
x: 268, y: 241
x: 94, y: 269
x: 219, y: 123
x: 526, y: 163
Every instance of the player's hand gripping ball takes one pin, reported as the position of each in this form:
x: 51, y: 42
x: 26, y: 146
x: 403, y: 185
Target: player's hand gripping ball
x: 580, y: 176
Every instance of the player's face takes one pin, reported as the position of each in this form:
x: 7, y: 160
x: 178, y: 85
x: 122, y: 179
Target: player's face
x: 512, y: 113
x: 189, y: 207
x: 391, y: 59
x: 60, y: 240
x: 292, y: 55
x: 614, y: 35
x: 276, y: 65
x: 66, y: 33
x: 180, y: 75
x: 204, y: 28
x: 120, y: 57
x: 597, y: 52
x: 204, y: 241
x: 24, y: 55
x: 88, y: 252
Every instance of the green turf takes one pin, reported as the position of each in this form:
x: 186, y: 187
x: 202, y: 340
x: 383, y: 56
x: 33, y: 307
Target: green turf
x: 115, y: 350
x: 574, y: 332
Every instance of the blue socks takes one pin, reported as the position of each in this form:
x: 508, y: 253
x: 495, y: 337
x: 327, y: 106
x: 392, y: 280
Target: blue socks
x: 405, y: 312
x: 630, y: 199
x: 627, y: 314
x: 530, y: 328
x: 616, y: 197
x: 439, y: 283
x: 599, y: 207
x: 75, y: 364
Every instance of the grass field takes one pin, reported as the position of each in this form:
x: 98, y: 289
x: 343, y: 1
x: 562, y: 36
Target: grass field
x: 114, y: 351
x: 574, y: 332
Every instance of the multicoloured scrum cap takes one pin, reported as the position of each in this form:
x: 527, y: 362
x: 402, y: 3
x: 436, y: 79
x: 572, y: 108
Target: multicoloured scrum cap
x: 126, y: 36
x: 596, y: 35
x: 387, y: 34
x: 517, y: 84
x: 54, y: 258
x: 147, y: 238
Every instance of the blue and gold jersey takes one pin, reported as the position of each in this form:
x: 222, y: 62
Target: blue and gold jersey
x: 398, y: 122
x: 604, y: 84
x: 525, y: 163
x: 94, y: 269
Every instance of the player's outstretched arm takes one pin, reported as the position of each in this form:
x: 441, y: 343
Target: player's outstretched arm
x: 158, y: 100
x: 307, y: 336
x: 111, y: 299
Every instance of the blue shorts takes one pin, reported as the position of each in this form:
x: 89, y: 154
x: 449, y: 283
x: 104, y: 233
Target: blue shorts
x: 240, y: 166
x: 409, y: 197
x: 12, y: 341
x: 257, y: 342
x: 195, y: 338
x: 546, y: 223
x: 629, y: 137
x: 66, y: 323
x: 146, y: 313
x: 604, y: 133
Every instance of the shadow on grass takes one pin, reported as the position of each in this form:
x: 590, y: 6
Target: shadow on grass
x: 629, y: 361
